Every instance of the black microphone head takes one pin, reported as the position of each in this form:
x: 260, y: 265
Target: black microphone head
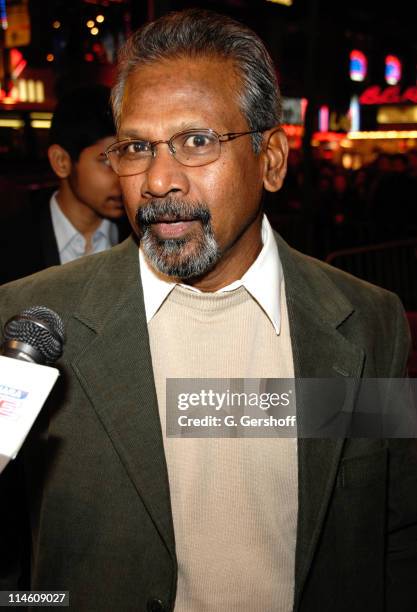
x: 40, y: 328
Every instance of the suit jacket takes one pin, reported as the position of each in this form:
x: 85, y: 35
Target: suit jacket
x: 91, y: 478
x: 28, y: 243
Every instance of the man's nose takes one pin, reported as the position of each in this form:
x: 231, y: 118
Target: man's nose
x: 165, y: 174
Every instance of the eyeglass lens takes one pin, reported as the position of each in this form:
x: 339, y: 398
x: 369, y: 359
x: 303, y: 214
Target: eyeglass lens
x: 191, y: 148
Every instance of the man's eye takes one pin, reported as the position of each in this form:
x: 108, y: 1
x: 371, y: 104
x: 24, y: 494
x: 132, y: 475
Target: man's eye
x: 197, y: 140
x: 135, y: 147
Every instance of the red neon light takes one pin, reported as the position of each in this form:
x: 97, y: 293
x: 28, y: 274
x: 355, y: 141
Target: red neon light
x: 390, y: 95
x: 357, y: 55
x: 329, y: 136
x: 410, y: 95
x: 15, y: 57
x: 298, y: 131
x: 293, y: 130
x: 17, y: 62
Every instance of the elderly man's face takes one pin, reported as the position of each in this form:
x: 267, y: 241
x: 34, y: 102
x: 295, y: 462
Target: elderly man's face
x: 198, y: 223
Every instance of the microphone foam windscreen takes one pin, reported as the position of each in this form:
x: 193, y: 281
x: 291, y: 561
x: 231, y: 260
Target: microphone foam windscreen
x: 39, y: 327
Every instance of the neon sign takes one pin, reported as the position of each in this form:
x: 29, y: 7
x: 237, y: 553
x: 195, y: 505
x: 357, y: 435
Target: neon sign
x: 358, y: 65
x: 324, y: 118
x: 392, y: 69
x: 389, y: 95
x: 354, y: 114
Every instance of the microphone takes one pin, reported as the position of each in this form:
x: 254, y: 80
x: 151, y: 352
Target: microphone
x: 36, y: 335
x: 33, y: 341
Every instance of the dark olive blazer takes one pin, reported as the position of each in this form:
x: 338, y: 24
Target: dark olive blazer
x: 91, y: 480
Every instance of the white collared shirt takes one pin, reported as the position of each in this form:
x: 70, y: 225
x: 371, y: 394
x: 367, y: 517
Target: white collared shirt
x: 262, y: 280
x: 71, y: 244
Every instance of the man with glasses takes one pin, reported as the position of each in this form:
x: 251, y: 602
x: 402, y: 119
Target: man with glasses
x: 127, y: 517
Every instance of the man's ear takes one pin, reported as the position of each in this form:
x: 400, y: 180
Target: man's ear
x: 275, y: 153
x: 60, y: 161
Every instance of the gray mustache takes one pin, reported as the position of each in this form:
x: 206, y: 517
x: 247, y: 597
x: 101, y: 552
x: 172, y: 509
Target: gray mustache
x: 174, y: 210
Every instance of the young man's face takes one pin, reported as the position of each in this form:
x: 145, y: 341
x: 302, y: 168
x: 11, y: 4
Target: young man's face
x: 160, y: 100
x: 94, y: 183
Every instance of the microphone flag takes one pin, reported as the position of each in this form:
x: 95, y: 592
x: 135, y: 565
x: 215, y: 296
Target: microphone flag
x: 24, y: 387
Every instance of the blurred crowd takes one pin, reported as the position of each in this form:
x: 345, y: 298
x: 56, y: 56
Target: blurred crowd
x: 347, y: 208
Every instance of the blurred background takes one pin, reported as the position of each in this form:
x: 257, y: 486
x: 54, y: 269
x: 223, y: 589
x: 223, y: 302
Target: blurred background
x: 348, y: 74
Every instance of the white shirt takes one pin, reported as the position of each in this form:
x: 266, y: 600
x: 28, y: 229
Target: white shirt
x: 262, y: 280
x: 71, y: 244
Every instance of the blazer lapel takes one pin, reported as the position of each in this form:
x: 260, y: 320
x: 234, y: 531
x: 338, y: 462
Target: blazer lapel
x: 317, y: 311
x: 115, y: 371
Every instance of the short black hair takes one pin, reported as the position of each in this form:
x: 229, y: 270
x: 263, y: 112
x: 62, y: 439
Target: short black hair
x: 82, y: 117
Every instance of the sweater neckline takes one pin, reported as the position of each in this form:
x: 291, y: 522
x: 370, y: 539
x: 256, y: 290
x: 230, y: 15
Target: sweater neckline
x: 208, y: 301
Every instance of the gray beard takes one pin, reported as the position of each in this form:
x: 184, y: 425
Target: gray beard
x: 170, y: 256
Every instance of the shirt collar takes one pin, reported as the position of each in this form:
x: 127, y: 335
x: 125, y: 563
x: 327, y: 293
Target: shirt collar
x: 65, y: 232
x: 262, y: 280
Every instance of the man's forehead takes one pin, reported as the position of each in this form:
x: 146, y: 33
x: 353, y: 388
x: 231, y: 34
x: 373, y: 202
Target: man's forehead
x: 190, y: 90
x: 184, y: 72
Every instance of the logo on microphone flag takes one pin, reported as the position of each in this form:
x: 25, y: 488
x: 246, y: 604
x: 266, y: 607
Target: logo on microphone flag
x: 20, y: 407
x: 11, y: 400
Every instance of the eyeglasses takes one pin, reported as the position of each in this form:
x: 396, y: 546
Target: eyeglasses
x: 190, y: 148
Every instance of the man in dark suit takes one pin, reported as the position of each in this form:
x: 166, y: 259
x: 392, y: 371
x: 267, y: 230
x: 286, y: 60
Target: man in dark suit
x: 116, y: 511
x: 85, y: 213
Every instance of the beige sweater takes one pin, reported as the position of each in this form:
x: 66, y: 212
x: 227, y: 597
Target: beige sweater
x: 234, y: 501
